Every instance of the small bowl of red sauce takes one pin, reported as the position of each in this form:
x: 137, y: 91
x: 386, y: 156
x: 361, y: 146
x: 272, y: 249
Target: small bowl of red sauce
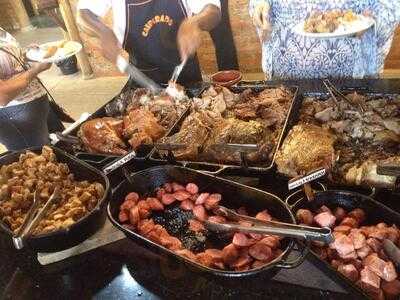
x: 226, y: 78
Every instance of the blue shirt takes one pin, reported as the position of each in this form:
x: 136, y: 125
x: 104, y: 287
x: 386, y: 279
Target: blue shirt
x: 288, y: 55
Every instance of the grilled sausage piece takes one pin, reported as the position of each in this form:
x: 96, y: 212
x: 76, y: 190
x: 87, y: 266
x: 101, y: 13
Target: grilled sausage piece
x: 264, y: 216
x: 187, y: 205
x: 200, y: 212
x: 192, y: 188
x: 241, y: 240
x: 202, y: 198
x: 134, y: 216
x: 132, y: 197
x: 305, y: 216
x: 357, y: 214
x: 212, y: 201
x: 167, y: 199
x: 339, y: 214
x: 229, y: 254
x: 181, y: 195
x: 177, y: 187
x: 325, y: 219
x: 155, y: 204
x: 261, y: 251
x: 349, y: 271
x: 196, y: 226
x: 349, y: 221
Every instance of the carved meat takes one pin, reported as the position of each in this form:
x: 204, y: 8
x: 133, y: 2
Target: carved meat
x: 103, y: 135
x: 306, y: 148
x: 141, y: 127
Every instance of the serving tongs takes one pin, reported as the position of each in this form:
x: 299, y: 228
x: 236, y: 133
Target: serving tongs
x: 268, y: 227
x: 389, y: 170
x: 177, y: 71
x: 34, y: 217
x: 305, y: 181
x: 334, y: 92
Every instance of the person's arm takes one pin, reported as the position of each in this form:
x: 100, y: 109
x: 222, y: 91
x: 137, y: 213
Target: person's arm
x: 91, y: 24
x: 189, y: 34
x: 11, y: 88
x: 259, y: 11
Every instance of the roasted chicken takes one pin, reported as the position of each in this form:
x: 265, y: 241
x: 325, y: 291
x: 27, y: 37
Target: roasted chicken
x: 103, y: 135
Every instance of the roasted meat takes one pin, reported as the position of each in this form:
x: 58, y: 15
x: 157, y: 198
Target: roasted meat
x: 103, y: 135
x: 194, y: 132
x: 307, y: 147
x: 233, y: 131
x: 141, y: 127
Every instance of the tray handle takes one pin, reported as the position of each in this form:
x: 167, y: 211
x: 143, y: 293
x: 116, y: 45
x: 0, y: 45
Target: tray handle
x: 96, y: 163
x: 295, y: 262
x: 213, y: 173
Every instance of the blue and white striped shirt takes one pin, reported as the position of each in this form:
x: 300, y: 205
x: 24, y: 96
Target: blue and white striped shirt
x: 288, y: 55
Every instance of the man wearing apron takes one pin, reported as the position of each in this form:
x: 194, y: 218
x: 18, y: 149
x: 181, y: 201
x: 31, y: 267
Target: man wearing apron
x: 157, y: 34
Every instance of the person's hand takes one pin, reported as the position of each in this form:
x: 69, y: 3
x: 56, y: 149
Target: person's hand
x: 110, y: 46
x: 189, y: 38
x: 261, y: 20
x: 38, y: 68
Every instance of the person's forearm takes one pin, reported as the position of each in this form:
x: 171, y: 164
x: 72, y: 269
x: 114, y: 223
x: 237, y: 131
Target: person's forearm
x: 91, y: 24
x: 208, y: 18
x: 11, y: 88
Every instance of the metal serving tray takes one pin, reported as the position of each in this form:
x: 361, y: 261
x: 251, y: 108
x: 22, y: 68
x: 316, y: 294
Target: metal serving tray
x: 243, y: 168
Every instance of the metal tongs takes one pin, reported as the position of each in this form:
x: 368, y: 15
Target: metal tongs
x: 268, y: 227
x: 34, y: 216
x: 333, y: 91
x: 177, y: 71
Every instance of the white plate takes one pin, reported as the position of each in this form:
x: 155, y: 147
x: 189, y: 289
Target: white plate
x: 344, y: 30
x: 36, y: 54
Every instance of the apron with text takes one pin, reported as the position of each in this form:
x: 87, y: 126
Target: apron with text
x: 150, y: 39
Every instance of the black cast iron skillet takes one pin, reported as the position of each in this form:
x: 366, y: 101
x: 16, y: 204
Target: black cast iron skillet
x: 81, y: 230
x: 375, y: 211
x: 234, y: 196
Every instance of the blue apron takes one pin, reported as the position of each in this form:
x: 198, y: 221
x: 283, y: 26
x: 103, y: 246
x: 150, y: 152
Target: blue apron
x: 150, y: 39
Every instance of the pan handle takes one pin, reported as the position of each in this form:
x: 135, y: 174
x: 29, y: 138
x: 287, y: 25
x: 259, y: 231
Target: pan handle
x: 295, y: 262
x: 214, y: 173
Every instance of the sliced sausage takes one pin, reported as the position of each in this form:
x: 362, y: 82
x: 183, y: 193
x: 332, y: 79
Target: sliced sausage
x: 217, y: 257
x: 123, y: 216
x: 349, y: 271
x: 391, y: 289
x: 187, y: 205
x: 200, y: 212
x: 241, y: 240
x: 192, y: 188
x: 132, y: 197
x: 342, y: 228
x: 194, y: 197
x: 378, y: 233
x: 181, y: 195
x: 256, y: 236
x: 216, y: 219
x: 229, y: 254
x: 202, y: 198
x: 264, y: 216
x: 336, y: 263
x: 159, y: 193
x: 167, y: 199
x: 134, y: 216
x: 145, y: 226
x: 173, y: 243
x: 305, y: 216
x: 168, y: 188
x: 364, y: 252
x: 324, y: 208
x: 127, y: 205
x: 358, y: 239
x: 177, y: 187
x: 389, y: 272
x: 155, y: 204
x: 212, y: 201
x: 339, y: 214
x: 144, y: 209
x: 261, y: 251
x: 349, y: 221
x: 196, y: 226
x: 325, y: 219
x: 271, y: 241
x: 243, y: 262
x: 357, y: 214
x: 381, y: 225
